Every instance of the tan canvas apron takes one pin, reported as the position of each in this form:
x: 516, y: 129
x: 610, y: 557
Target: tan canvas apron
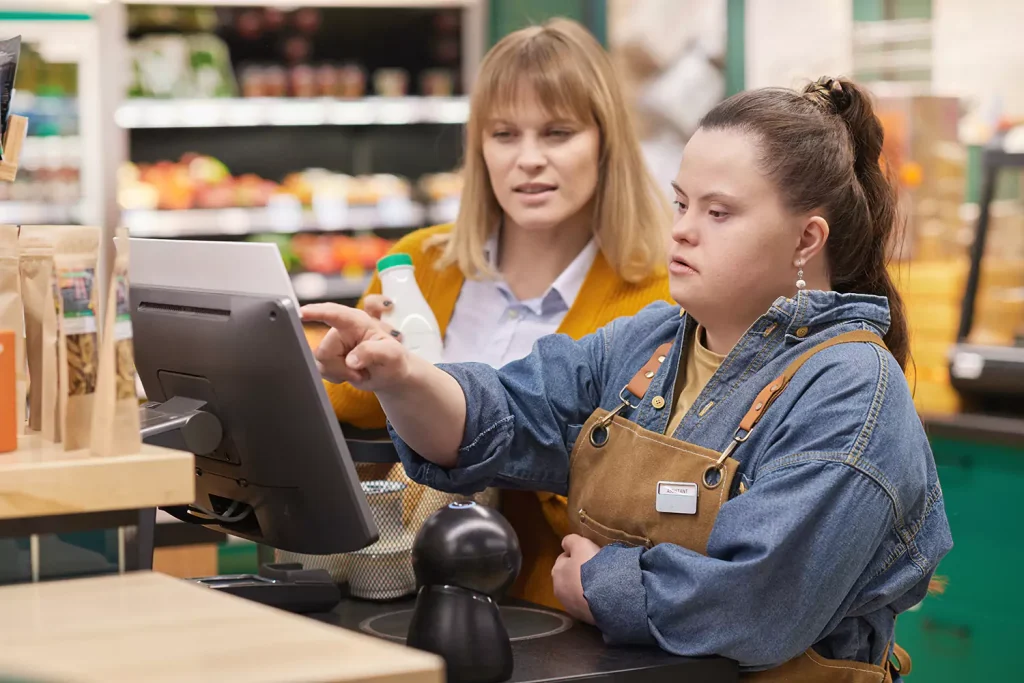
x: 615, y: 468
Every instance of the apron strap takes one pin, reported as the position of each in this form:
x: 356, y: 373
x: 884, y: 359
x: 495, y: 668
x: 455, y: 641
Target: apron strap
x: 778, y: 385
x: 902, y: 657
x: 641, y: 381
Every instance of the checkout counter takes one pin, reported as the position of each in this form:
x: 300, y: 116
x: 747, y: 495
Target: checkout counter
x: 271, y: 467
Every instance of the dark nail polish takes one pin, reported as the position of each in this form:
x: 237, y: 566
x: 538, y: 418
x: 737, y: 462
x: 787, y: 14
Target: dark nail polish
x: 387, y: 304
x: 396, y: 334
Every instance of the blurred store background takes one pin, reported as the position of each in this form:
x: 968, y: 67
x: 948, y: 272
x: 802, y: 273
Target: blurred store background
x: 333, y: 127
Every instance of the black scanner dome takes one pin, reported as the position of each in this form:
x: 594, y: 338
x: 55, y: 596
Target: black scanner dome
x: 469, y: 546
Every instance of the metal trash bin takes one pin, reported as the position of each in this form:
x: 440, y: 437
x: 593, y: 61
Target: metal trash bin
x: 383, y: 570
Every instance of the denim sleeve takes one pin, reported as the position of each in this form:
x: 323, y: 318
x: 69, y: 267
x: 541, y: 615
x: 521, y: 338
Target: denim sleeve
x: 521, y: 420
x: 783, y: 558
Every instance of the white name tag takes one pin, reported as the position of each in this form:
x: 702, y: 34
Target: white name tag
x: 676, y: 497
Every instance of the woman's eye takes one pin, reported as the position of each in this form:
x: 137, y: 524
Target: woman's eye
x: 560, y: 133
x: 680, y: 206
x: 501, y: 134
x: 718, y: 215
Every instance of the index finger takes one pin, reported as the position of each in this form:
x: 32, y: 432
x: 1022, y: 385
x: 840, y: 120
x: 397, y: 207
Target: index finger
x: 334, y: 315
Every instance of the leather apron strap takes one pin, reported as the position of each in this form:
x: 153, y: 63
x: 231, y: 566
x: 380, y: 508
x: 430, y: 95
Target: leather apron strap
x: 776, y: 387
x: 641, y: 381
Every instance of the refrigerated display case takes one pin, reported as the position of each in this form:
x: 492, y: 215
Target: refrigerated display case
x: 57, y: 88
x: 987, y: 363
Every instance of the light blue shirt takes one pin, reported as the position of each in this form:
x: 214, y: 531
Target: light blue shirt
x: 490, y: 325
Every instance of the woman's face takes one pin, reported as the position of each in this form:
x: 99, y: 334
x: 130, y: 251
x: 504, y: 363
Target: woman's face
x: 734, y: 243
x: 543, y: 169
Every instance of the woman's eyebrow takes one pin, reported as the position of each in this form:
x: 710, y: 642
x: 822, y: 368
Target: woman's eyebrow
x: 708, y: 197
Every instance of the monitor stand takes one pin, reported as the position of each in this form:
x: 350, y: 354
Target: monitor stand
x: 182, y: 424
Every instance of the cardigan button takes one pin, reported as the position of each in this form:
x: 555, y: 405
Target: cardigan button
x: 658, y: 402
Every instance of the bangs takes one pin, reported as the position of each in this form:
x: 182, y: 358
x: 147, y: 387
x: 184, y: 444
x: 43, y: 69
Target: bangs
x: 538, y: 69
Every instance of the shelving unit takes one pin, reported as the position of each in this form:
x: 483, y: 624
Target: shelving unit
x: 75, y: 42
x: 313, y: 287
x: 272, y: 139
x: 287, y: 219
x: 39, y: 213
x: 251, y: 112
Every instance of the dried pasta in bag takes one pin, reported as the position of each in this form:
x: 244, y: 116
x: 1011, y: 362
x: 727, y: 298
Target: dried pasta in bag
x: 115, y: 424
x: 76, y: 251
x: 12, y: 316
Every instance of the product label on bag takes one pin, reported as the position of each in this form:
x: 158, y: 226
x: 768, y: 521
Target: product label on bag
x: 79, y: 329
x: 76, y: 296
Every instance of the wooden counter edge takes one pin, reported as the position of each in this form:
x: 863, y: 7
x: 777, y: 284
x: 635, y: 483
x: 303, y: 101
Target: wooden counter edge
x: 112, y: 628
x: 44, y: 480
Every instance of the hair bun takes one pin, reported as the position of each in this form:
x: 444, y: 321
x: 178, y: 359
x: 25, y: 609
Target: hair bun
x: 829, y: 94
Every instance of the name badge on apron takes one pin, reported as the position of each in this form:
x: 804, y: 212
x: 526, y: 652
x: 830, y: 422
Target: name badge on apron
x: 676, y: 497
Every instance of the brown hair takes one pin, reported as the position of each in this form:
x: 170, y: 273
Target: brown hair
x: 572, y: 76
x: 822, y: 148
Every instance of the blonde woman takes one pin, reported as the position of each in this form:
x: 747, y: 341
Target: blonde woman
x: 560, y: 229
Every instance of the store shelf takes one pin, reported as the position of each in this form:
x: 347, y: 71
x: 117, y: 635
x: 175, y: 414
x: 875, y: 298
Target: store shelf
x: 444, y: 211
x: 51, y: 151
x: 320, y: 3
x: 38, y: 213
x: 311, y: 287
x: 286, y: 219
x: 242, y: 112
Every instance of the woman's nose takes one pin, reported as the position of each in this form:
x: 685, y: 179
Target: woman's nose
x: 684, y: 228
x: 531, y: 155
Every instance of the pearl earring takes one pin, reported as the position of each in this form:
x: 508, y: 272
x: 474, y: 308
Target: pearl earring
x: 800, y: 282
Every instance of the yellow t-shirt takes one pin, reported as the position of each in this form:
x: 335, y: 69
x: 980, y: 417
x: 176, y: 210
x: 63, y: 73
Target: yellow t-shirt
x: 699, y: 365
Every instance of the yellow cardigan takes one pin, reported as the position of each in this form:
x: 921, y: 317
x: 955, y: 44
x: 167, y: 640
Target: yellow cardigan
x: 538, y: 518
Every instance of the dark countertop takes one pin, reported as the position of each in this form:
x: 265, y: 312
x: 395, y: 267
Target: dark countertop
x: 995, y: 429
x: 576, y: 653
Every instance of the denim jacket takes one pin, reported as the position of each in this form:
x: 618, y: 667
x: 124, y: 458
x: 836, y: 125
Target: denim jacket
x: 842, y: 522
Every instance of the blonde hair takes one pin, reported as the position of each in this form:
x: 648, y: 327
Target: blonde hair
x: 571, y: 76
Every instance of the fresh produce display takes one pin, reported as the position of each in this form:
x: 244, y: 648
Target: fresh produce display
x: 438, y: 187
x: 202, y: 182
x: 351, y: 256
x: 193, y: 182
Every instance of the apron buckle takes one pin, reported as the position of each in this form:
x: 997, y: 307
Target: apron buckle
x: 737, y: 439
x: 599, y: 432
x: 717, y: 470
